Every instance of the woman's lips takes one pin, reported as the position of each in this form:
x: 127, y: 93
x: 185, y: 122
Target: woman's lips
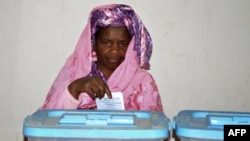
x: 114, y: 59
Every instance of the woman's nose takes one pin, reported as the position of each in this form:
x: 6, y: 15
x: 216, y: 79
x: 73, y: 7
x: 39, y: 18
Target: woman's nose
x: 115, y: 47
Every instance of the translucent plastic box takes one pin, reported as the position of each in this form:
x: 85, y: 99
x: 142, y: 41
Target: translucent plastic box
x: 194, y: 125
x: 96, y: 125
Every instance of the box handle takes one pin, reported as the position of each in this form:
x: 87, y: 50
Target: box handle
x: 220, y: 120
x: 96, y: 119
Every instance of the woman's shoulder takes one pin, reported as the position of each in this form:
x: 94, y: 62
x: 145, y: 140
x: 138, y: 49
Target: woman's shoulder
x: 143, y: 74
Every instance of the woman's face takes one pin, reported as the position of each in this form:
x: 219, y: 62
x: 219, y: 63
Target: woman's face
x: 111, y: 44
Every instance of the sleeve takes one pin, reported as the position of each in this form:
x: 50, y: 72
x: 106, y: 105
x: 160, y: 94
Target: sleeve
x: 63, y: 100
x: 145, y: 95
x: 151, y: 99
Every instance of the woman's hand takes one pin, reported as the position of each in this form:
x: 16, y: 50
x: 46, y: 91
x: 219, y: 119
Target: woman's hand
x: 94, y: 86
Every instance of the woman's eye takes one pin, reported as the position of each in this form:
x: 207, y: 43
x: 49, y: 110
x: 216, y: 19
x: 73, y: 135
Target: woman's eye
x: 106, y: 43
x: 123, y: 44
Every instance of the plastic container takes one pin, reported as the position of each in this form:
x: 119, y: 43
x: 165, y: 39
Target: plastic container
x: 96, y: 125
x: 195, y: 125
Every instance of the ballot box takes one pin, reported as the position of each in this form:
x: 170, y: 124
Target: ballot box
x: 200, y: 125
x: 96, y: 125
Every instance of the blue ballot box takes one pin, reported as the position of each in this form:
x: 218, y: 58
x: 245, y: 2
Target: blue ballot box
x: 195, y: 125
x: 96, y: 125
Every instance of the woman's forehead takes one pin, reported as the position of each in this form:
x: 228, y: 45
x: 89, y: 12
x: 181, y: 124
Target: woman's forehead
x: 116, y: 29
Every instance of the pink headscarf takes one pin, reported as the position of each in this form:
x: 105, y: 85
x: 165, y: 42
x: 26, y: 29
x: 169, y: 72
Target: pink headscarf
x: 79, y: 64
x: 124, y: 15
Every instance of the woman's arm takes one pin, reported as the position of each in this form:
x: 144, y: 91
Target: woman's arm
x: 60, y: 100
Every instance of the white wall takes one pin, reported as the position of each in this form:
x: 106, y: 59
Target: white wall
x: 201, y: 56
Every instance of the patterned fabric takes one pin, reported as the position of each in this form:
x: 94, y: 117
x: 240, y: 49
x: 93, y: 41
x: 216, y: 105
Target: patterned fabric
x: 96, y: 72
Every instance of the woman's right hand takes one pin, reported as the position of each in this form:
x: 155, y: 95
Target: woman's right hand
x: 94, y: 86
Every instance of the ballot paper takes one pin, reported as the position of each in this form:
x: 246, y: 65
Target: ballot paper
x: 116, y: 103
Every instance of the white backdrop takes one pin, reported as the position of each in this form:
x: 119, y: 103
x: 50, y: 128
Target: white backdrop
x: 201, y: 56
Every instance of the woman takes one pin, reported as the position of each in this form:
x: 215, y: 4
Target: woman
x: 112, y: 55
